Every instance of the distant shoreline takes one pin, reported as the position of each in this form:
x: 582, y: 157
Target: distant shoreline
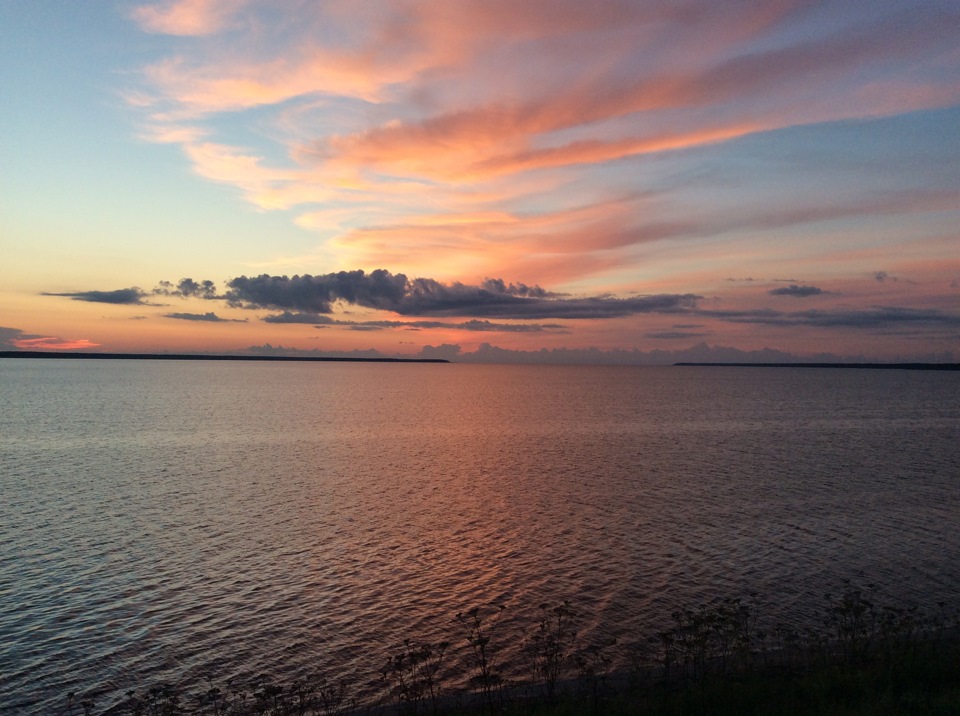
x: 194, y: 356
x: 332, y: 359
x: 872, y: 366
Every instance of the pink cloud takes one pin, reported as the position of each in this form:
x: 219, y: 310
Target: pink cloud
x: 186, y: 17
x: 49, y: 343
x: 756, y: 89
x: 444, y: 134
x: 574, y: 243
x: 416, y: 51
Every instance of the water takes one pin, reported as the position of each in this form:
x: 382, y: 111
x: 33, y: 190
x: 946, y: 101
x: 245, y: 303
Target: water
x: 167, y: 520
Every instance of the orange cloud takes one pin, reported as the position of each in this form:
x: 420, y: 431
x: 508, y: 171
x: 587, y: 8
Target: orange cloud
x: 49, y: 343
x: 173, y: 134
x: 186, y: 17
x: 446, y: 136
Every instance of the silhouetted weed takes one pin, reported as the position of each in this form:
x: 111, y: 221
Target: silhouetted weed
x: 864, y: 658
x: 551, y: 644
x: 478, y: 630
x: 593, y: 666
x: 85, y: 704
x: 413, y: 674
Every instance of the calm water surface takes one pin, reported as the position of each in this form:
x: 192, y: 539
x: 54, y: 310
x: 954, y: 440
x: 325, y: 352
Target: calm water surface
x: 167, y: 520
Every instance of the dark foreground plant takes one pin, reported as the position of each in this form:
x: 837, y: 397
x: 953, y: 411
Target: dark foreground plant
x: 593, y: 666
x: 551, y: 645
x: 478, y: 630
x: 85, y: 704
x: 884, y: 659
x: 718, y: 638
x: 852, y: 620
x: 160, y: 700
x: 312, y: 696
x: 413, y: 674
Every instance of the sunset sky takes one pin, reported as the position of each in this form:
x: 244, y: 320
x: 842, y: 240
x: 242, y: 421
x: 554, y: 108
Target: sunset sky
x: 385, y: 175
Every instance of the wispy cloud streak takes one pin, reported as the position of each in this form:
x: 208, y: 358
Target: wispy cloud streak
x: 880, y: 317
x: 208, y: 317
x: 321, y: 320
x: 796, y: 291
x: 14, y: 339
x: 123, y: 296
x: 390, y: 115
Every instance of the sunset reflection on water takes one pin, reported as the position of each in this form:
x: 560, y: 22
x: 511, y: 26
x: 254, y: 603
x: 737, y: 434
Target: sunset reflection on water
x: 166, y: 521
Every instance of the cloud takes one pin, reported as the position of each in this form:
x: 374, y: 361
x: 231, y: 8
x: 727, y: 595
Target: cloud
x: 124, y: 296
x: 51, y: 343
x: 9, y: 335
x: 880, y: 317
x: 796, y: 291
x: 388, y: 114
x: 445, y: 351
x: 675, y: 335
x: 427, y: 297
x: 592, y: 79
x: 473, y: 325
x: 12, y: 339
x: 298, y: 317
x: 209, y: 317
x: 504, y: 327
x: 498, y: 285
x: 561, y: 244
x: 186, y: 17
x: 188, y: 288
x: 315, y: 294
x: 185, y: 288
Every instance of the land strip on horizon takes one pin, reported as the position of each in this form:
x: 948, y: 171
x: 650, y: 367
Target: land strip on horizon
x: 198, y: 356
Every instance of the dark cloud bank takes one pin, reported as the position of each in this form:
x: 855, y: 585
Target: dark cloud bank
x: 320, y: 320
x: 132, y: 296
x: 208, y: 317
x: 9, y: 336
x: 306, y: 299
x: 877, y: 318
x: 796, y: 291
x: 309, y: 299
x: 135, y: 296
x: 187, y: 288
x: 382, y: 290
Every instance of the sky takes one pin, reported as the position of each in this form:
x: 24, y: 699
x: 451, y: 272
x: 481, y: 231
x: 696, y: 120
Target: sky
x: 482, y: 178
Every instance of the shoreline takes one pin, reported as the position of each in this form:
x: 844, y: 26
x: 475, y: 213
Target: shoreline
x: 893, y: 674
x: 195, y: 356
x: 865, y: 658
x: 866, y: 366
x: 75, y: 355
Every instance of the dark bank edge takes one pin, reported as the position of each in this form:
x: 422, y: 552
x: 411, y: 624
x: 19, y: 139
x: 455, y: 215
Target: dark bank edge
x: 866, y: 658
x: 193, y: 356
x: 869, y: 366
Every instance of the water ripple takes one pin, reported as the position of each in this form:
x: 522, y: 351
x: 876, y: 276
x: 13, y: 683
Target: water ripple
x: 164, y: 521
